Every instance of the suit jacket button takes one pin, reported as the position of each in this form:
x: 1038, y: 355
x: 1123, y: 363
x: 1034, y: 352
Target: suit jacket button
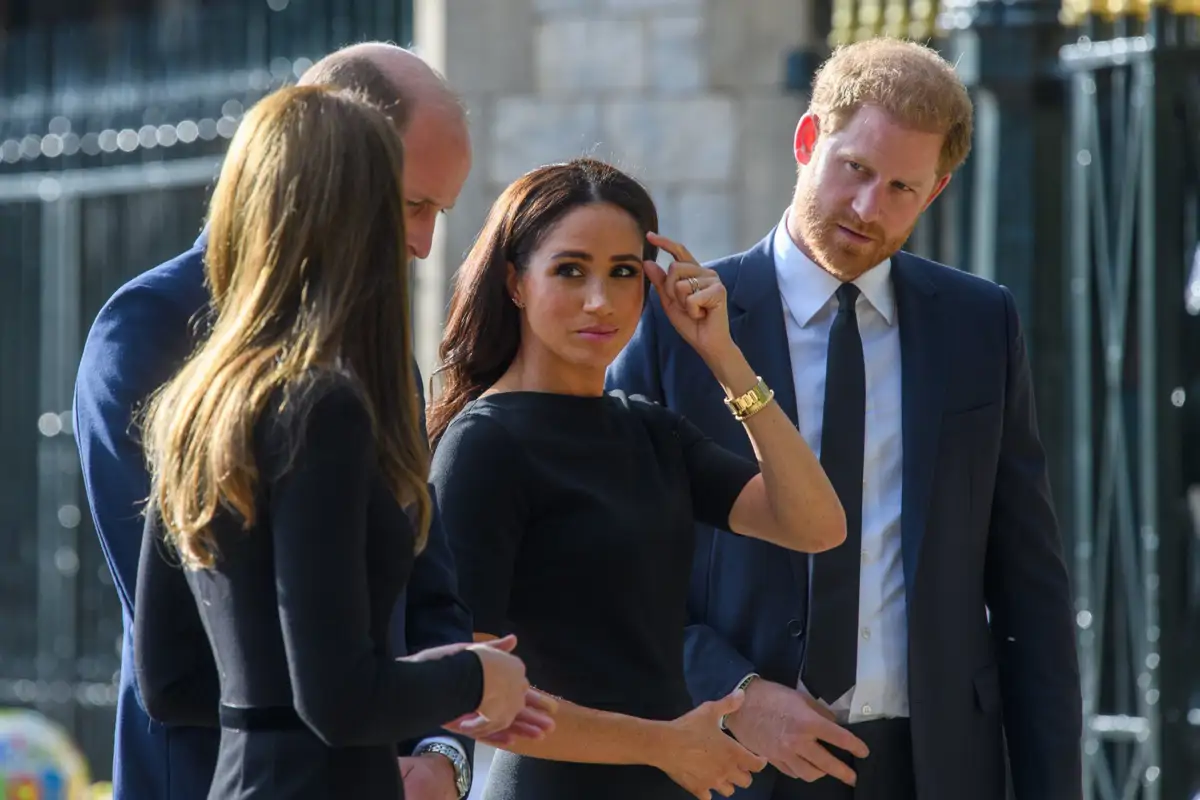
x: 795, y: 628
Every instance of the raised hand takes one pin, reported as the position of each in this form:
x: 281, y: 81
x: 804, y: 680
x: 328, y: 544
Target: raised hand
x: 701, y: 758
x: 693, y: 299
x: 787, y: 727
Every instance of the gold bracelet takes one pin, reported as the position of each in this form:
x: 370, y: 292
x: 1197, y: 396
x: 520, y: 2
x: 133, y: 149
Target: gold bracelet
x: 745, y: 406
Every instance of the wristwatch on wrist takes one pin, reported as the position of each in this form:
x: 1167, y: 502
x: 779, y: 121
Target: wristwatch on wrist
x: 745, y: 406
x: 742, y: 684
x: 462, y: 767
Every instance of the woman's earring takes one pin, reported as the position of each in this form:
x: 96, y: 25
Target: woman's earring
x: 518, y: 303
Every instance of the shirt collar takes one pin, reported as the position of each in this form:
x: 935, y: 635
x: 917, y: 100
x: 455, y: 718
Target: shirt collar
x: 807, y: 288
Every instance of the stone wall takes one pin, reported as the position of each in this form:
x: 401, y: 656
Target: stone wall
x: 686, y: 95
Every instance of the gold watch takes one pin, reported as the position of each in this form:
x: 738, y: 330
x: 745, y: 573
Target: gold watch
x: 745, y: 406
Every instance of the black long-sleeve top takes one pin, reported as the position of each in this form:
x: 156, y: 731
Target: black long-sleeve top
x: 296, y: 613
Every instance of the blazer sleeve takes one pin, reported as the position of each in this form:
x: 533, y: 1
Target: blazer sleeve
x: 712, y: 666
x: 1028, y: 593
x: 434, y: 614
x: 433, y: 611
x: 136, y: 343
x: 173, y: 661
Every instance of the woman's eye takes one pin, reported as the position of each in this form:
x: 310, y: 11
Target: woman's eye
x: 569, y: 270
x: 626, y: 271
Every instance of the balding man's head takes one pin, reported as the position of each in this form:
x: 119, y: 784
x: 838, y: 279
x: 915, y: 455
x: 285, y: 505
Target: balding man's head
x: 429, y: 116
x: 394, y: 78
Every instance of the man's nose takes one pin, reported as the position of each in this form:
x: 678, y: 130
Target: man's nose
x: 866, y: 205
x: 420, y: 239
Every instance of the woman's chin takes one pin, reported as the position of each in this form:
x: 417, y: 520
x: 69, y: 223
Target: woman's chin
x: 597, y: 357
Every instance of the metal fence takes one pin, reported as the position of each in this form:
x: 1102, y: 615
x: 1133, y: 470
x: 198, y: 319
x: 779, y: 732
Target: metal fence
x: 110, y: 137
x: 1132, y: 237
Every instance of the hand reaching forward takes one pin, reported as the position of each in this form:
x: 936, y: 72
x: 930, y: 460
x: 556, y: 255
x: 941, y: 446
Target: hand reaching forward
x: 693, y: 299
x: 787, y: 727
x: 510, y: 708
x: 533, y: 721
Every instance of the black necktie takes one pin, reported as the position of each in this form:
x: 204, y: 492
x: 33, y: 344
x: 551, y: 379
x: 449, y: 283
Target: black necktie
x: 831, y: 653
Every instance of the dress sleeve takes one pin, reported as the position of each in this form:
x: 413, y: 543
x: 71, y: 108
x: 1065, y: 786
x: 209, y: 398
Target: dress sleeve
x: 717, y: 476
x: 343, y: 687
x: 476, y: 478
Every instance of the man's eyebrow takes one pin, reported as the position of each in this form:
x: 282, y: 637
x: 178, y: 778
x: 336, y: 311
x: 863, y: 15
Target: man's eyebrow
x: 857, y: 158
x: 427, y: 201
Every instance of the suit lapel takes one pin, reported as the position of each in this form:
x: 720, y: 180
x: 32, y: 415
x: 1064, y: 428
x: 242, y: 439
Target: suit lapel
x: 922, y: 370
x: 756, y: 323
x: 757, y: 327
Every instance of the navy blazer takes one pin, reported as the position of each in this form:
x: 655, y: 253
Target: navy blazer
x: 978, y: 533
x: 140, y: 338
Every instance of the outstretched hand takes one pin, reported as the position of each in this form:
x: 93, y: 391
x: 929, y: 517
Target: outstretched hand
x: 533, y: 721
x: 693, y: 298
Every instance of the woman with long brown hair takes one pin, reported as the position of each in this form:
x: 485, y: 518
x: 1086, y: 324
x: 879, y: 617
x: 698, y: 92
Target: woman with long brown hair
x: 571, y: 511
x: 283, y: 457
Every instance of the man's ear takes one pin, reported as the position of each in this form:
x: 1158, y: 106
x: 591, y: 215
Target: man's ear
x: 937, y: 189
x: 808, y: 130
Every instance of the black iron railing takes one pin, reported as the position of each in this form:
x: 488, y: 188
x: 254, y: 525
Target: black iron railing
x: 110, y: 136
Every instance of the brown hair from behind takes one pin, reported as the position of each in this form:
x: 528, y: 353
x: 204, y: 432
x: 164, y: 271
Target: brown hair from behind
x: 483, y: 327
x: 307, y: 267
x: 911, y: 82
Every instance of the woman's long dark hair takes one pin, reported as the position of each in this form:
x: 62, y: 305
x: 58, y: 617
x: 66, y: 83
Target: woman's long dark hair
x: 483, y: 330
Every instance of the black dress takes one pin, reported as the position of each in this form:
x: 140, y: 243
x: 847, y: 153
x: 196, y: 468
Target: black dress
x: 572, y: 523
x: 296, y: 612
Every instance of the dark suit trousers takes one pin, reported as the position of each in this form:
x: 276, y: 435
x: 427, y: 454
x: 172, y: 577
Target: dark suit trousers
x: 886, y: 774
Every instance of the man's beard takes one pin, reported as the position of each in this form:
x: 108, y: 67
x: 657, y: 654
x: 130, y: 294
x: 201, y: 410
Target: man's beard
x: 832, y: 250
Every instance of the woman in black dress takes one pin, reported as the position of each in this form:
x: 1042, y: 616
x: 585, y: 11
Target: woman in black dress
x: 283, y: 457
x: 571, y: 511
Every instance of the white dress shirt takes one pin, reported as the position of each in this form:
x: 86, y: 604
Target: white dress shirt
x: 810, y: 304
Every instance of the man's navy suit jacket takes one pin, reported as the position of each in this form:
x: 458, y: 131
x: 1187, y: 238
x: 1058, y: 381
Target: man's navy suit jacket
x: 140, y: 338
x: 978, y: 533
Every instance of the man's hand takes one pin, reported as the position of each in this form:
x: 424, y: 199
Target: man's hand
x: 428, y: 777
x: 787, y: 727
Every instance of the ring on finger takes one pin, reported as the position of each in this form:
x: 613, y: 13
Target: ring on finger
x: 695, y: 284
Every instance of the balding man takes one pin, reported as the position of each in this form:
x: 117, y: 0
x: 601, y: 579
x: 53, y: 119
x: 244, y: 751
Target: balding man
x: 144, y: 333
